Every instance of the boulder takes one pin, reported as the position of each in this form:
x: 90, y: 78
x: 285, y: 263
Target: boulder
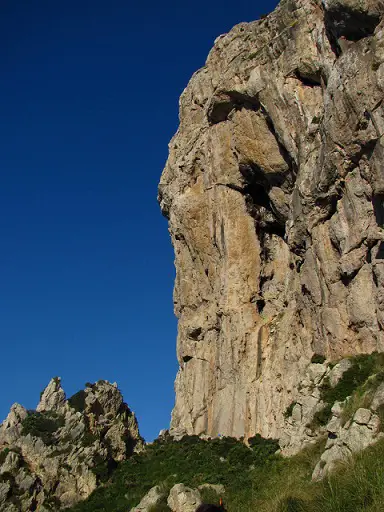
x: 183, y: 499
x: 152, y: 498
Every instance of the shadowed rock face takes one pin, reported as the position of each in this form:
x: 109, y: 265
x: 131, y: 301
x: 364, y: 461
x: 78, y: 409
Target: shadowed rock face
x: 53, y: 457
x: 274, y: 191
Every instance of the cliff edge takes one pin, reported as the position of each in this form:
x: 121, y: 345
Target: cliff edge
x: 274, y: 191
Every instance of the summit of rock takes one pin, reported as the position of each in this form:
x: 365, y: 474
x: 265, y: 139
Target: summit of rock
x: 55, y: 456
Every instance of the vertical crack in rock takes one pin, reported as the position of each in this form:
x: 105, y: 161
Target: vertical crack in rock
x: 274, y: 193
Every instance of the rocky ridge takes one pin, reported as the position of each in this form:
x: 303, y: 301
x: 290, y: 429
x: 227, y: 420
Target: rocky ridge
x: 55, y: 456
x: 274, y: 191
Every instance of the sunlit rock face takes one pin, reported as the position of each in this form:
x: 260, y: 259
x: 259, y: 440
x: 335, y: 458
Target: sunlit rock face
x: 55, y: 456
x: 274, y: 191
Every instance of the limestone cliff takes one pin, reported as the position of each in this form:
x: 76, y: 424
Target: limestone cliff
x: 55, y: 456
x: 274, y: 191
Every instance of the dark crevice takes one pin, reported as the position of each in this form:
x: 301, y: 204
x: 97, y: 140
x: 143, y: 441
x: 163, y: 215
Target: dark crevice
x: 260, y: 303
x: 259, y: 355
x: 274, y: 228
x: 165, y: 208
x: 307, y: 80
x: 187, y: 358
x: 378, y: 208
x: 349, y: 24
x: 259, y: 204
x: 365, y: 150
x: 195, y: 333
x: 380, y: 252
x: 263, y: 280
x: 223, y: 104
x: 257, y: 194
x: 346, y: 279
x: 328, y: 204
x: 375, y: 280
x: 299, y: 264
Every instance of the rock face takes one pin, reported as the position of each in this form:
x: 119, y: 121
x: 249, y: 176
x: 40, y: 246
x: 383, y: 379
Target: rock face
x: 53, y: 457
x: 274, y: 191
x: 343, y: 440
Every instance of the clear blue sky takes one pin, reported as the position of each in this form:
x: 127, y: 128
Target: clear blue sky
x: 89, y: 101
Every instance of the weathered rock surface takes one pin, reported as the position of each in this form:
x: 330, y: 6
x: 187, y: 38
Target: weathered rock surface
x: 344, y: 440
x: 52, y: 457
x: 183, y: 499
x: 151, y: 499
x: 274, y: 191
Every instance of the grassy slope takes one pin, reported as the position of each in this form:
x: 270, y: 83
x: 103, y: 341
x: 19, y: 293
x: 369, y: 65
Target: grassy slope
x: 276, y: 485
x: 257, y: 479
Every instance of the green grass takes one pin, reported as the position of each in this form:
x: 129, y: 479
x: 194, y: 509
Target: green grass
x: 257, y: 478
x: 273, y: 484
x: 358, y: 485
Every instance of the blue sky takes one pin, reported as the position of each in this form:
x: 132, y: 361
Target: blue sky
x: 89, y: 101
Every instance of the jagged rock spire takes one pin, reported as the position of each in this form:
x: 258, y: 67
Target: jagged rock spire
x: 53, y: 396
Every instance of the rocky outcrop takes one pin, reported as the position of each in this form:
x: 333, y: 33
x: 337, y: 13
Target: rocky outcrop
x: 150, y: 500
x: 274, y: 191
x: 349, y: 435
x: 344, y: 402
x: 54, y: 456
x: 343, y: 441
x: 183, y: 499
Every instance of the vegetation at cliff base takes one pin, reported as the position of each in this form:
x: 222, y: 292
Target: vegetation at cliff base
x: 266, y: 483
x: 191, y: 460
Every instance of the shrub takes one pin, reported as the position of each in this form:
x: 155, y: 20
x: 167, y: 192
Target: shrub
x: 322, y: 417
x: 42, y: 425
x: 88, y: 438
x: 263, y: 448
x: 363, y: 366
x: 289, y: 410
x: 191, y: 460
x: 358, y: 382
x: 77, y: 401
x: 52, y: 503
x: 100, y: 469
x: 3, y: 455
